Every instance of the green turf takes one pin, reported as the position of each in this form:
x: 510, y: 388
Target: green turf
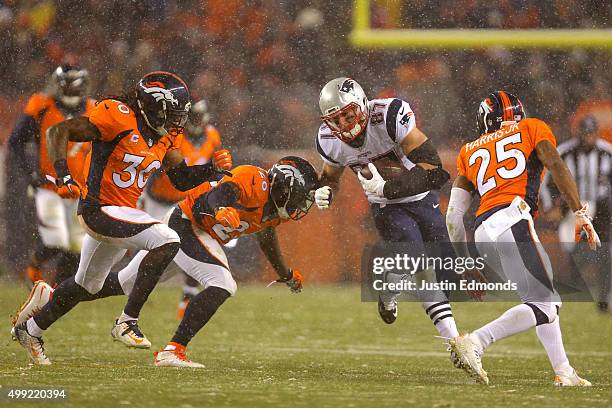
x: 322, y: 347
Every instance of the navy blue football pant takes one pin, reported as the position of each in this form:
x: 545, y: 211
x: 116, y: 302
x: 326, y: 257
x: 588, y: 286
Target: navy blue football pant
x: 415, y: 223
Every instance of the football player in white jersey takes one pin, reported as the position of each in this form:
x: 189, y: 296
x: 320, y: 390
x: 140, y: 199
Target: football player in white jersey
x: 381, y: 136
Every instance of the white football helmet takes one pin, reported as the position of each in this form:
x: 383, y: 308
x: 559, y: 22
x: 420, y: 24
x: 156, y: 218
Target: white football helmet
x: 344, y: 106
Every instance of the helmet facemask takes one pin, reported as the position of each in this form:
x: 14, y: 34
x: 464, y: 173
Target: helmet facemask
x: 347, y: 123
x: 289, y: 196
x: 72, y: 85
x: 166, y: 121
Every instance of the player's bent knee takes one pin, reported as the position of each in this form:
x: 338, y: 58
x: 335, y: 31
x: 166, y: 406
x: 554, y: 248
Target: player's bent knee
x: 161, y: 235
x: 545, y: 312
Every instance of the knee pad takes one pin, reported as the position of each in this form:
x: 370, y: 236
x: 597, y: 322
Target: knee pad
x: 545, y: 312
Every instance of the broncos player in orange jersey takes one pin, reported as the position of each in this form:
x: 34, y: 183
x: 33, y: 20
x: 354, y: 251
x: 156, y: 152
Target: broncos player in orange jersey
x: 131, y: 136
x: 504, y: 166
x: 58, y: 225
x: 251, y: 200
x: 201, y: 140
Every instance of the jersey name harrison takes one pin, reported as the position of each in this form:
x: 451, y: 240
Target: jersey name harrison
x: 491, y: 136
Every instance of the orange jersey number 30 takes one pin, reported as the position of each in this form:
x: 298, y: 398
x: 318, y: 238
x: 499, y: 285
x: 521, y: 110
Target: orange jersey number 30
x: 504, y: 164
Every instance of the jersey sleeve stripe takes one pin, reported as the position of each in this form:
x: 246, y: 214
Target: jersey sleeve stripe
x: 323, y: 154
x: 391, y: 121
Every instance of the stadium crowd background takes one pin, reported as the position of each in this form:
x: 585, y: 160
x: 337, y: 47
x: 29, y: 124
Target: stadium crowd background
x: 261, y: 65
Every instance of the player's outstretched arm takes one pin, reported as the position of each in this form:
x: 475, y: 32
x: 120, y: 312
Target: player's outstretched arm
x: 185, y: 177
x: 78, y: 129
x: 428, y: 173
x: 268, y: 242
x: 563, y: 179
x: 330, y: 182
x: 458, y: 204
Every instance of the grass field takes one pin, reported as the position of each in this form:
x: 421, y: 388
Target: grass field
x: 322, y: 347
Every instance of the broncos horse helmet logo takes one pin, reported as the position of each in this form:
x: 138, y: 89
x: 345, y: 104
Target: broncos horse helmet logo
x: 160, y: 93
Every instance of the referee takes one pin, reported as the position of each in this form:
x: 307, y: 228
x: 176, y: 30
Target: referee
x: 589, y: 159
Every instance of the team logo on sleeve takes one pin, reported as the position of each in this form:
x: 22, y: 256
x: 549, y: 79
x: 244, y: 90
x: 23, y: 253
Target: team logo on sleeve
x: 160, y: 93
x: 406, y: 119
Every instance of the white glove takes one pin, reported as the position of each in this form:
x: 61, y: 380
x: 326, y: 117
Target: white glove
x: 323, y: 197
x: 374, y: 185
x: 583, y: 223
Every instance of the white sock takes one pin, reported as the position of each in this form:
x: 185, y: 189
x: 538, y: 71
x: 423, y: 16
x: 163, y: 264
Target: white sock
x: 552, y: 340
x: 125, y: 317
x: 513, y: 321
x: 33, y: 328
x: 441, y: 316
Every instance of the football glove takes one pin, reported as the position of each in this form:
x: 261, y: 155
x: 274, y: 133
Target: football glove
x: 66, y: 186
x: 294, y: 281
x: 583, y: 223
x: 375, y: 185
x: 323, y: 196
x: 222, y: 159
x: 228, y: 216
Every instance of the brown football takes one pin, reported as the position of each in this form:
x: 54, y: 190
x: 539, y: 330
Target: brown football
x: 366, y: 173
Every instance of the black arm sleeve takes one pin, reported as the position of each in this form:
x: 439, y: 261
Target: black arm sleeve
x: 425, y: 153
x: 24, y: 131
x: 185, y: 177
x: 224, y: 195
x: 417, y: 180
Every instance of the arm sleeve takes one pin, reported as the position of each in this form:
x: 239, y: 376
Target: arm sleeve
x: 185, y: 177
x: 458, y: 204
x: 400, y: 120
x: 24, y: 131
x: 416, y: 181
x: 223, y: 195
x: 425, y: 153
x: 324, y: 155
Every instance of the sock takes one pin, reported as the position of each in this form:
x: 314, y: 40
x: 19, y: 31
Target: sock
x: 550, y: 336
x: 66, y: 266
x: 174, y: 346
x: 125, y: 317
x: 66, y: 296
x: 33, y: 328
x: 199, y: 311
x: 150, y: 270
x: 515, y: 320
x: 441, y: 315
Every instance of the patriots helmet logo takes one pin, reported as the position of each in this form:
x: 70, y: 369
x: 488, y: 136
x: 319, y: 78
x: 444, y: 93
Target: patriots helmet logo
x: 348, y: 86
x: 160, y: 93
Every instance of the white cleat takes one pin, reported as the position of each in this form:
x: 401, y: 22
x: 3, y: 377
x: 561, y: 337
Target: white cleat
x: 573, y: 380
x: 33, y: 345
x: 468, y: 352
x: 129, y: 334
x: 174, y: 358
x: 39, y: 296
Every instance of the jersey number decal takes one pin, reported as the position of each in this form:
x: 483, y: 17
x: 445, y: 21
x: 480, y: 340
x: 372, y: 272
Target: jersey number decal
x: 132, y: 171
x: 502, y: 154
x: 223, y: 232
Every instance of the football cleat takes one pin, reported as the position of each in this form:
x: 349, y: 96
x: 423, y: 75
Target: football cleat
x: 571, y: 381
x: 387, y: 311
x: 468, y: 351
x: 454, y: 358
x: 39, y: 296
x: 33, y: 345
x: 174, y: 358
x: 129, y: 334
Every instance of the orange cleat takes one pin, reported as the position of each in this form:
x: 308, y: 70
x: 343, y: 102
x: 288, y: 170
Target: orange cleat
x: 34, y: 274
